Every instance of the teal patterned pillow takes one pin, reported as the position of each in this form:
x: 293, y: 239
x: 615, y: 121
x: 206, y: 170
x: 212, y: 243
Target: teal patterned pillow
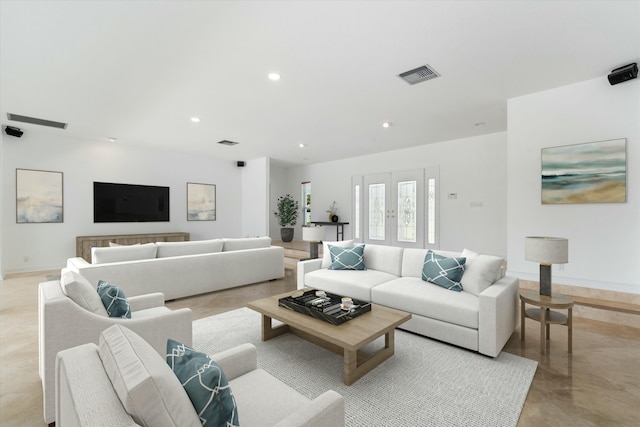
x: 205, y: 383
x: 443, y: 271
x: 114, y: 300
x: 347, y: 258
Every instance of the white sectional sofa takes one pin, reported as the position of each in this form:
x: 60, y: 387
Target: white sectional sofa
x: 182, y: 269
x: 481, y: 318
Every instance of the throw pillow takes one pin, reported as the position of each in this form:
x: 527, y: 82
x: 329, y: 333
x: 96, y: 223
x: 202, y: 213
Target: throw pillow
x: 347, y: 258
x: 145, y: 385
x: 326, y: 255
x: 480, y: 271
x: 81, y: 291
x: 443, y: 271
x: 205, y: 384
x: 114, y: 300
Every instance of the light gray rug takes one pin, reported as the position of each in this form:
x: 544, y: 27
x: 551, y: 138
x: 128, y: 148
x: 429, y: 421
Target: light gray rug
x: 426, y: 382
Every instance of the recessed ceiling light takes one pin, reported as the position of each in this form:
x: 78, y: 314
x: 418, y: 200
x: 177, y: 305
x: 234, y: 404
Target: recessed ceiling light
x: 301, y: 145
x: 274, y: 76
x: 195, y: 119
x: 386, y: 124
x: 112, y: 139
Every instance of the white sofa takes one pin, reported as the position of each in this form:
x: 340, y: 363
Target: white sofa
x: 182, y: 269
x: 155, y: 398
x: 481, y: 318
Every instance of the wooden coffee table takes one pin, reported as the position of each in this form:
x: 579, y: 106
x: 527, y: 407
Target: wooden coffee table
x: 346, y: 339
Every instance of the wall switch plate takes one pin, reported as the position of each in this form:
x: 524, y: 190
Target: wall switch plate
x: 452, y: 195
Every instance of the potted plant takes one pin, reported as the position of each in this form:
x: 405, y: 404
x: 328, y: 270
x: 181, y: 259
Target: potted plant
x: 287, y: 214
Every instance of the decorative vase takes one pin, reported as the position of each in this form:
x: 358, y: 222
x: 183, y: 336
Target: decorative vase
x: 286, y: 234
x: 334, y: 218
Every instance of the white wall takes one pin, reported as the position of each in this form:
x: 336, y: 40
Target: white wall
x: 48, y: 246
x: 255, y: 198
x: 474, y: 168
x: 604, y: 239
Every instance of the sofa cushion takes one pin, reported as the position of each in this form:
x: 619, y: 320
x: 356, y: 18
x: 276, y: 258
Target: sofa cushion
x: 80, y: 291
x: 326, y: 255
x: 205, y: 384
x: 480, y: 271
x: 425, y: 299
x: 355, y: 284
x: 384, y: 258
x: 145, y: 384
x: 114, y: 300
x: 104, y: 255
x: 169, y: 249
x: 246, y: 243
x: 269, y: 399
x: 347, y: 258
x: 443, y: 271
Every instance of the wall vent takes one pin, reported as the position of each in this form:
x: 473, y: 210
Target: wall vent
x: 420, y: 74
x: 225, y: 142
x: 36, y: 121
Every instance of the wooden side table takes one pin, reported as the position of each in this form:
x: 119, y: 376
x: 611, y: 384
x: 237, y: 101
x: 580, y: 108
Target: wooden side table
x: 545, y: 315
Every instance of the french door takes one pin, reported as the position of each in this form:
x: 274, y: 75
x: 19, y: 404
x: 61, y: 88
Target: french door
x: 396, y: 208
x: 393, y: 209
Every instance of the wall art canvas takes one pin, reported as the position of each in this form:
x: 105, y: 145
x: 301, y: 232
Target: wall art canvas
x: 38, y: 196
x: 594, y: 172
x: 201, y: 202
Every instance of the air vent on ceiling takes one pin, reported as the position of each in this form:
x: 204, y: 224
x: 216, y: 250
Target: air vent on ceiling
x: 225, y: 142
x: 36, y: 121
x: 419, y: 74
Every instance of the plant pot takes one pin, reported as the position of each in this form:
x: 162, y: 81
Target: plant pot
x: 286, y: 234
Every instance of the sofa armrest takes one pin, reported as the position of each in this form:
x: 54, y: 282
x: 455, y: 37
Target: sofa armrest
x: 76, y: 263
x: 142, y: 302
x: 498, y: 315
x: 325, y: 410
x: 305, y: 267
x: 237, y: 361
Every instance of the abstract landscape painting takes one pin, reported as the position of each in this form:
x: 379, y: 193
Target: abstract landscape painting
x: 201, y: 202
x: 38, y: 196
x: 595, y: 172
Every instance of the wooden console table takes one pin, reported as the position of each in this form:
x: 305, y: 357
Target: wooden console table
x: 85, y: 243
x: 545, y: 315
x: 339, y: 227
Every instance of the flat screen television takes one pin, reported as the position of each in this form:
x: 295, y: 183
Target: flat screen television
x: 129, y: 203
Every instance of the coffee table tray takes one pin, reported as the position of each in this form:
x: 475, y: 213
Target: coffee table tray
x: 333, y: 315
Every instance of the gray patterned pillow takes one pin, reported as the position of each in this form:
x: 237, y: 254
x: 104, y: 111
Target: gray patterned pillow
x: 347, y: 258
x: 114, y: 300
x: 443, y: 271
x: 205, y: 383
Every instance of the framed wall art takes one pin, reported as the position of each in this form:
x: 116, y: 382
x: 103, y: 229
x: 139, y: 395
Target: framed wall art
x: 201, y: 202
x: 593, y: 172
x: 39, y: 196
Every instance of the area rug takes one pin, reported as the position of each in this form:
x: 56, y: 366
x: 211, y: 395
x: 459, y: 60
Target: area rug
x: 426, y: 382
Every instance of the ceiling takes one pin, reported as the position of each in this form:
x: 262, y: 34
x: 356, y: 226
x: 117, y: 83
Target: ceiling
x: 139, y: 70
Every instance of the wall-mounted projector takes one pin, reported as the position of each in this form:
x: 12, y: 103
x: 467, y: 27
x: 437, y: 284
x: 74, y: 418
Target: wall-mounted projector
x: 13, y: 131
x: 622, y: 74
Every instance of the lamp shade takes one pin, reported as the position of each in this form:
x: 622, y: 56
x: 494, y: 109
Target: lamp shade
x: 312, y: 234
x: 546, y: 250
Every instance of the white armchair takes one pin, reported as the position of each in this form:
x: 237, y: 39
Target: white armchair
x: 262, y: 399
x: 63, y: 324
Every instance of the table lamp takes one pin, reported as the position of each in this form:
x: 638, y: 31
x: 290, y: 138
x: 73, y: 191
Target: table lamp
x: 546, y: 251
x: 313, y: 235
